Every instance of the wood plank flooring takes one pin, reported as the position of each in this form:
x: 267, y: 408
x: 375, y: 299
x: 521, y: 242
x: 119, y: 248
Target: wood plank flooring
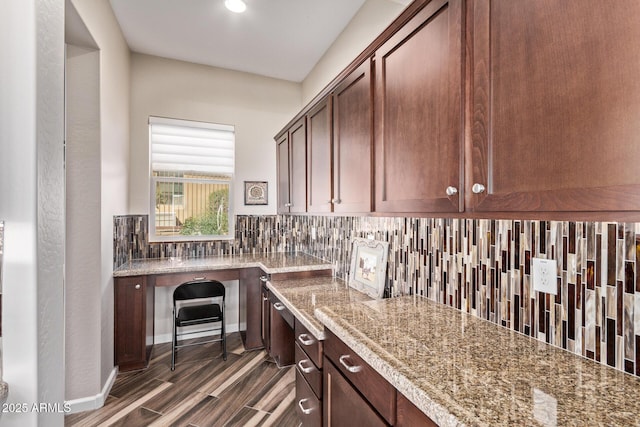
x: 248, y: 389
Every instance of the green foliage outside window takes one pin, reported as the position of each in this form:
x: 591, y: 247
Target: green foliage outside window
x: 216, y: 219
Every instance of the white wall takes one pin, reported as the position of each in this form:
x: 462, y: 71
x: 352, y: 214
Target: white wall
x: 83, y: 255
x: 114, y: 77
x: 372, y: 18
x: 32, y: 205
x: 257, y: 106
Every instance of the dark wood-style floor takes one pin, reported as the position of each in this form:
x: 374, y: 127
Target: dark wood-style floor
x: 204, y: 390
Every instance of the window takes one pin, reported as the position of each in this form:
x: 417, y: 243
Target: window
x: 192, y: 166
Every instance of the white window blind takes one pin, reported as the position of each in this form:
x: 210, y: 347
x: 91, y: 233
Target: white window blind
x: 185, y: 146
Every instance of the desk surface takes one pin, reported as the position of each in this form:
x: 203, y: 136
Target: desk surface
x: 278, y: 262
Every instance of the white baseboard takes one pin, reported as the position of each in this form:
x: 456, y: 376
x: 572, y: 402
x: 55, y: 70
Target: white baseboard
x: 93, y: 402
x: 162, y: 338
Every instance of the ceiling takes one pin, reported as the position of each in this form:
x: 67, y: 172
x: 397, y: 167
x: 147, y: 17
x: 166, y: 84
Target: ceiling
x: 275, y: 38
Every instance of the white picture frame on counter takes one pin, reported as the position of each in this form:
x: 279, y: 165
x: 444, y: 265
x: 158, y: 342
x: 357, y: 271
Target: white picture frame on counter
x: 368, y: 272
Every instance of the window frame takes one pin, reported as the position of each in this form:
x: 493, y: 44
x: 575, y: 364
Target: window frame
x: 154, y: 180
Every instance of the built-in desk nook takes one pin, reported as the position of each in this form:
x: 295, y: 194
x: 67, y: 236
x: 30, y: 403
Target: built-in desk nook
x: 136, y: 280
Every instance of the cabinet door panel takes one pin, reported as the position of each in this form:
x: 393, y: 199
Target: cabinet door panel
x: 343, y: 405
x: 555, y: 105
x: 352, y: 141
x: 130, y: 328
x: 419, y: 113
x: 319, y: 157
x: 298, y: 166
x: 283, y: 173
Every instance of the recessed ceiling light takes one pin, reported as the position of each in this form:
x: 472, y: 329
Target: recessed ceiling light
x: 236, y: 6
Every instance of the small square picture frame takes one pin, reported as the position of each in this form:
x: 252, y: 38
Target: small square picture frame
x: 368, y: 273
x: 256, y: 193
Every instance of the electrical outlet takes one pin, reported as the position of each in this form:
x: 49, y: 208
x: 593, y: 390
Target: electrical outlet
x: 545, y: 276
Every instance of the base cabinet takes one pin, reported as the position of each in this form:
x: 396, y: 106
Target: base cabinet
x: 281, y: 338
x: 343, y: 404
x: 308, y: 405
x: 132, y: 330
x: 409, y: 415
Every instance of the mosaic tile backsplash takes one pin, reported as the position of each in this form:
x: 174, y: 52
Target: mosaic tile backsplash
x: 482, y: 267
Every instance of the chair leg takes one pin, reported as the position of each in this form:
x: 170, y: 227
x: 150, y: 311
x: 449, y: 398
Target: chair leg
x: 174, y: 343
x: 224, y: 342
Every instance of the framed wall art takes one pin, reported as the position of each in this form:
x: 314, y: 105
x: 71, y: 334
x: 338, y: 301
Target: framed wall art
x: 368, y: 273
x: 255, y: 193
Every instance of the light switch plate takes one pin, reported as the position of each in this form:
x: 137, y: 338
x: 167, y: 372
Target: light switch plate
x: 313, y: 233
x: 545, y: 276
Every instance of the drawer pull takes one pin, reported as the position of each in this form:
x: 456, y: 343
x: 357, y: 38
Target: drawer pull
x: 351, y: 368
x: 279, y: 306
x: 137, y: 285
x: 264, y: 279
x: 306, y: 340
x: 306, y: 411
x: 305, y: 369
x: 265, y: 299
x: 200, y: 278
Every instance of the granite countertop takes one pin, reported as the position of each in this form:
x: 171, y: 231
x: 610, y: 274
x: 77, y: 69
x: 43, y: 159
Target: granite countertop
x: 303, y: 296
x: 278, y: 262
x: 462, y: 370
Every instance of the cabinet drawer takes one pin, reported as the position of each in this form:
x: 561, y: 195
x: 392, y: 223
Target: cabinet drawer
x: 281, y: 309
x: 308, y: 406
x: 312, y: 346
x: 373, y: 387
x: 409, y: 415
x: 309, y: 371
x: 175, y: 279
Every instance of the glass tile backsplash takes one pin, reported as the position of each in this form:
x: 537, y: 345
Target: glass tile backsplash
x: 482, y: 267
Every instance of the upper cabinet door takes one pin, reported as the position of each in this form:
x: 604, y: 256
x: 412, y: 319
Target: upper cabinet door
x: 283, y: 173
x: 352, y: 142
x: 556, y: 106
x: 419, y: 113
x: 319, y: 168
x: 298, y: 166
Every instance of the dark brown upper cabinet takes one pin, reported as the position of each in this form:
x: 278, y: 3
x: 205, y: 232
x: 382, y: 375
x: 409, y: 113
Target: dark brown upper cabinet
x: 352, y: 142
x: 319, y: 161
x: 291, y: 158
x: 419, y: 113
x: 555, y: 106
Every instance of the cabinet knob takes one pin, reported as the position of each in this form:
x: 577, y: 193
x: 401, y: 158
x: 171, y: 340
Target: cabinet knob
x: 138, y: 286
x: 279, y: 306
x: 263, y: 279
x: 336, y: 201
x: 478, y: 188
x: 288, y: 205
x: 451, y: 191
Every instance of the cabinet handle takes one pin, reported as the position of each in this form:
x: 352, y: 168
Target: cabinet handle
x: 200, y: 278
x: 263, y: 279
x: 305, y: 339
x: 279, y: 306
x: 265, y: 299
x: 451, y: 191
x: 307, y: 369
x: 288, y: 205
x: 478, y: 188
x: 336, y: 201
x: 354, y: 369
x: 137, y: 286
x: 302, y: 408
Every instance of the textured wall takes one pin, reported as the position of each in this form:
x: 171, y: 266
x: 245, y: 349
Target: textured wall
x: 482, y: 267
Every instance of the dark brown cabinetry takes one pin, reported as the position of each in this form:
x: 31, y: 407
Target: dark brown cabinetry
x: 250, y: 307
x: 555, y: 106
x: 133, y: 332
x: 319, y: 162
x: 309, y: 355
x: 352, y: 388
x: 292, y: 157
x: 352, y: 142
x: 419, y: 113
x: 409, y: 415
x: 266, y: 319
x: 281, y: 339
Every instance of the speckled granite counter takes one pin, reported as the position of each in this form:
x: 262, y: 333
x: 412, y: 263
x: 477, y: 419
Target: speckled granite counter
x: 271, y: 263
x: 303, y: 296
x: 461, y: 370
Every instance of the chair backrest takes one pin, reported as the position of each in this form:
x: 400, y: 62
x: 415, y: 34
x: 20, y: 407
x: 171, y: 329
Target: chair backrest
x: 196, y: 289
